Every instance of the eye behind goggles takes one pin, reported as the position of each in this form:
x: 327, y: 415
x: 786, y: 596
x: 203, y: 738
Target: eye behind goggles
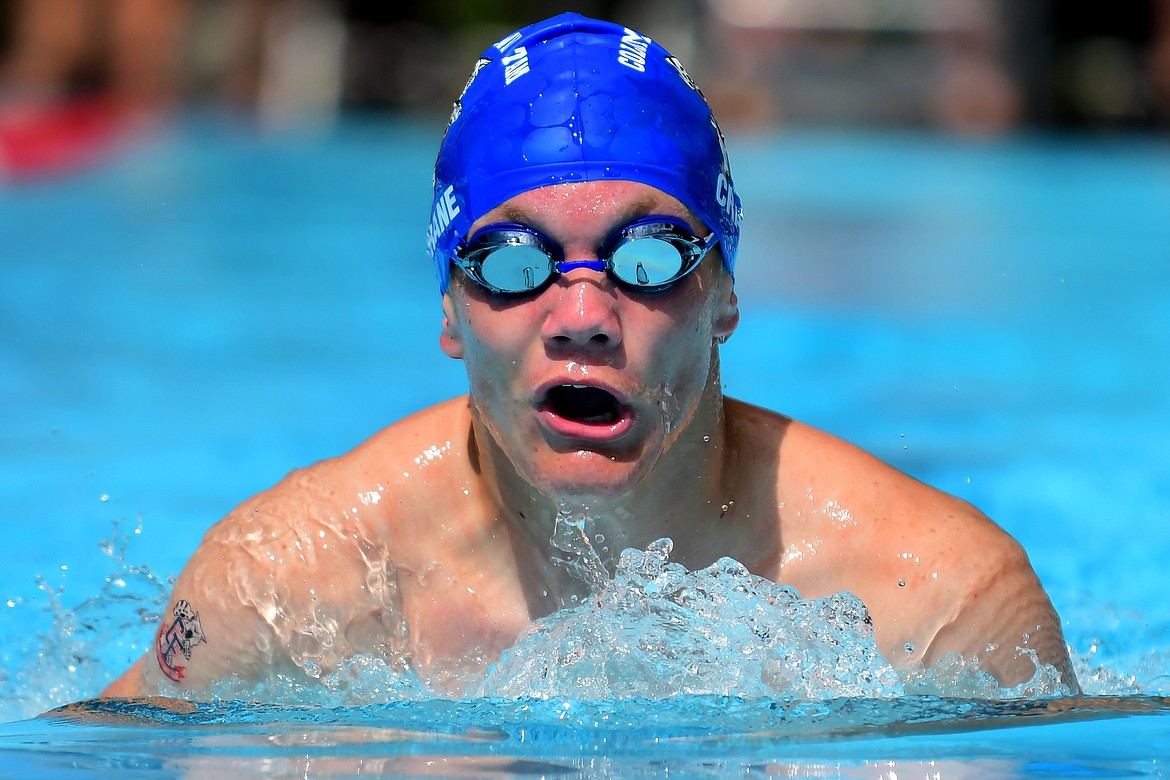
x: 649, y: 255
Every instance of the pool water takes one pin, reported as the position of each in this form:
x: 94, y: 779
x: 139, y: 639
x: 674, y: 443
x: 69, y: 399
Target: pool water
x: 208, y: 309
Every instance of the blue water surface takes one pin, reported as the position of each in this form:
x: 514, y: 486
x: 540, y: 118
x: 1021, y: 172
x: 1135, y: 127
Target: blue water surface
x: 210, y: 308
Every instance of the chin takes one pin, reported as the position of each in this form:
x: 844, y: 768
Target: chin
x: 587, y: 477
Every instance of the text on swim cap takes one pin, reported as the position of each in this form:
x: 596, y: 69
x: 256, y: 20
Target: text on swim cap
x: 632, y: 51
x: 515, y: 65
x: 725, y: 195
x: 445, y: 210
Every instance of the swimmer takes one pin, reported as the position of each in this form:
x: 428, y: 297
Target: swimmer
x: 584, y: 226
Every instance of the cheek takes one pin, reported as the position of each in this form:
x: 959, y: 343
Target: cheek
x: 493, y: 343
x: 681, y: 339
x: 677, y: 360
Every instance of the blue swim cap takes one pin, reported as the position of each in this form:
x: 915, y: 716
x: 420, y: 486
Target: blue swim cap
x: 574, y: 99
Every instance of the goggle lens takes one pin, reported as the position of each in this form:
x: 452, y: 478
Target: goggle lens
x: 648, y: 261
x: 515, y: 268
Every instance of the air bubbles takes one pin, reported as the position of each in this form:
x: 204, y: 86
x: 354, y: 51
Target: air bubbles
x: 901, y: 583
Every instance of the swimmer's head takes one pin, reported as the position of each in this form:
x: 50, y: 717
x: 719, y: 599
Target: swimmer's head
x: 574, y: 99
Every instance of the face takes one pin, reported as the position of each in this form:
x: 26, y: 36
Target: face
x: 585, y: 385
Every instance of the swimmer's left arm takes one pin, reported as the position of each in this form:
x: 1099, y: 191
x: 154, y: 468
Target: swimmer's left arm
x: 1005, y: 612
x: 938, y: 575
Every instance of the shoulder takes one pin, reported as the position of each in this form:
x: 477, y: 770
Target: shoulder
x: 819, y: 476
x: 875, y: 516
x: 339, y: 509
x: 433, y: 426
x: 313, y: 551
x: 397, y: 468
x: 938, y: 575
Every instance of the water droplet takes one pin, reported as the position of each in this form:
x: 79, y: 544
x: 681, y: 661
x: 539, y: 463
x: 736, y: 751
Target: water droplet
x: 908, y: 647
x: 901, y: 583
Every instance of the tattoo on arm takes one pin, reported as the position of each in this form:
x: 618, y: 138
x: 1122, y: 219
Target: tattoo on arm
x: 182, y: 635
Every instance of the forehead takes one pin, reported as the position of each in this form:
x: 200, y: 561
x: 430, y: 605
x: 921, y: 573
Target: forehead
x: 589, y: 206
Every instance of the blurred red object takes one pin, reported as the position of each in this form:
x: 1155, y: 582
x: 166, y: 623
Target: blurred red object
x: 40, y: 139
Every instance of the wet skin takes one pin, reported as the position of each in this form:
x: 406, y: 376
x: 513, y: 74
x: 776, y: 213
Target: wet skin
x: 429, y: 543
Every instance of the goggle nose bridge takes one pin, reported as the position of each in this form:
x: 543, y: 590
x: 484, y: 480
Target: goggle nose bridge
x: 564, y: 266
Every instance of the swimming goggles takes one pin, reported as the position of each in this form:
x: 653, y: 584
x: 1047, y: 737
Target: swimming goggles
x: 649, y: 255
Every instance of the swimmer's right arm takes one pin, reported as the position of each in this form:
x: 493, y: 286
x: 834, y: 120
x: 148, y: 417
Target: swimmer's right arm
x: 261, y: 589
x: 207, y: 633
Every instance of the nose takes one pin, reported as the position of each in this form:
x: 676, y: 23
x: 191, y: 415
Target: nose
x: 582, y: 312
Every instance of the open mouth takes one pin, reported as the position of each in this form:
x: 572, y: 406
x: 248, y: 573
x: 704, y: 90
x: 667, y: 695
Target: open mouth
x: 584, y: 404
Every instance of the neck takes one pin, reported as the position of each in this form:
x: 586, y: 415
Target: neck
x: 681, y: 497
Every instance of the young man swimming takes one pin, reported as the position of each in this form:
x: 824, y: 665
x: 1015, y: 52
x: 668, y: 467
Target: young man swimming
x: 584, y: 227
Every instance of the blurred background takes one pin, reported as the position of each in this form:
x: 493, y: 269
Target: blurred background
x: 72, y: 72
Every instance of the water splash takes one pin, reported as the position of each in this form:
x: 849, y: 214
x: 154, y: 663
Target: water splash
x: 84, y: 646
x: 581, y: 559
x: 359, y: 680
x: 657, y: 630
